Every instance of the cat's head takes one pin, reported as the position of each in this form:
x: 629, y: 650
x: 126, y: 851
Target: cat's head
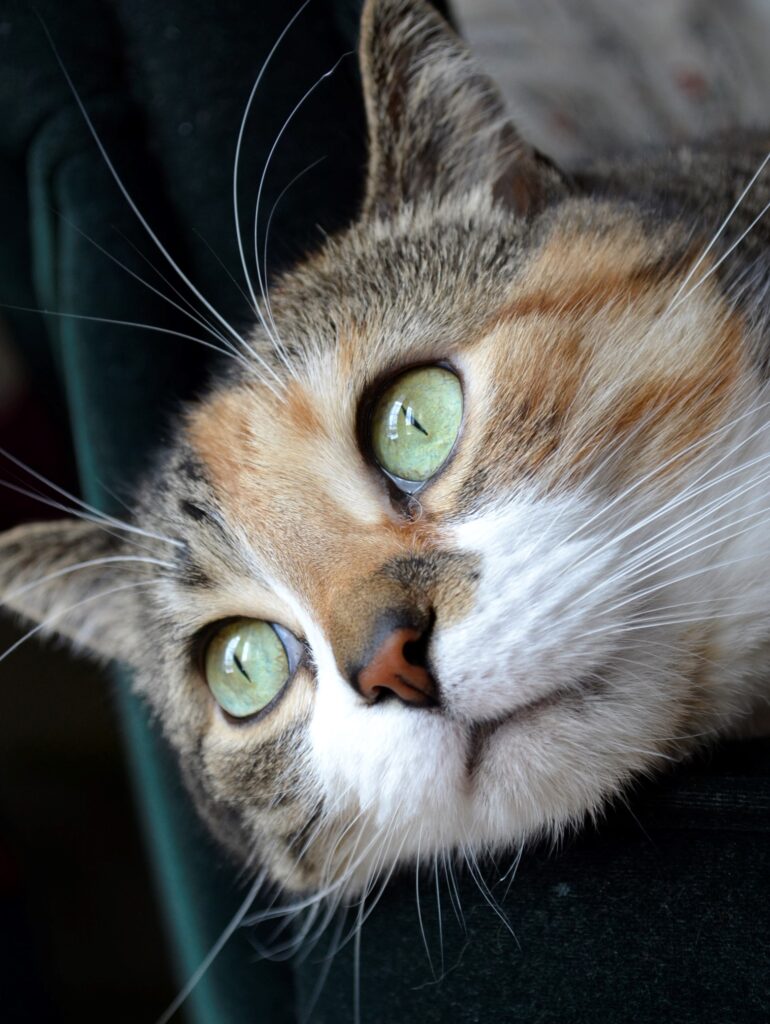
x: 389, y: 588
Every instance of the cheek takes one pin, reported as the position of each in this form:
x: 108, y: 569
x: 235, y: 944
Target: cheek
x: 253, y: 764
x: 542, y: 613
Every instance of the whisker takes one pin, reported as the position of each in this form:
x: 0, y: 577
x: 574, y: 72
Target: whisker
x: 323, y: 892
x: 77, y: 567
x: 725, y: 255
x: 369, y: 888
x: 686, y: 522
x: 512, y: 871
x: 232, y: 926
x: 640, y: 595
x: 483, y: 888
x: 276, y: 204
x: 655, y: 551
x: 266, y: 168
x: 383, y: 881
x: 70, y: 608
x: 419, y: 908
x: 236, y: 165
x: 357, y: 967
x: 143, y: 220
x: 720, y: 231
x: 127, y: 323
x: 184, y: 299
x: 712, y: 436
x: 188, y: 310
x: 685, y: 495
x: 100, y: 517
x: 222, y: 264
x: 439, y: 919
x: 326, y: 965
x: 454, y: 893
x: 75, y: 513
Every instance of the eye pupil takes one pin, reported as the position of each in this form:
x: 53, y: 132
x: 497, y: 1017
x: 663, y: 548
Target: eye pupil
x: 241, y: 669
x: 416, y: 423
x: 412, y: 422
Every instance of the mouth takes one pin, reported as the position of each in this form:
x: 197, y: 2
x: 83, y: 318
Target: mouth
x: 480, y: 733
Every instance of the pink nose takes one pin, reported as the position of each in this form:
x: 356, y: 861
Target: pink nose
x: 391, y: 671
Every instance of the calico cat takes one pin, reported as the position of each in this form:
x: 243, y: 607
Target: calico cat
x: 469, y: 532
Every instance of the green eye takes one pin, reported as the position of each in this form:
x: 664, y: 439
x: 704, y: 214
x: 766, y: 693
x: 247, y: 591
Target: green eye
x: 246, y: 666
x: 416, y: 422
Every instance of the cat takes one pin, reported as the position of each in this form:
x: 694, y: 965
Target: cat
x: 468, y: 534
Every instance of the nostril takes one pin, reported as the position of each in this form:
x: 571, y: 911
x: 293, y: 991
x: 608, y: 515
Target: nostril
x: 398, y: 668
x: 416, y: 651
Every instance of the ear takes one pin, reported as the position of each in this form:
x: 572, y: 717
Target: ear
x: 78, y: 581
x: 437, y: 125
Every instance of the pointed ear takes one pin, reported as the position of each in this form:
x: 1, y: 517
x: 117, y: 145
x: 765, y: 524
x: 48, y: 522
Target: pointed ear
x: 75, y: 580
x: 437, y: 125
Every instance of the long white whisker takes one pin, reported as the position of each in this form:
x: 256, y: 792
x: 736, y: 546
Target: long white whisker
x: 188, y: 310
x: 70, y: 608
x: 326, y: 964
x: 512, y: 870
x: 357, y: 967
x: 719, y: 232
x: 236, y: 165
x: 439, y: 918
x: 77, y: 514
x: 693, y: 489
x: 184, y: 299
x: 419, y: 908
x: 275, y: 206
x: 655, y: 551
x: 223, y: 265
x: 686, y: 522
x: 643, y: 571
x: 651, y: 474
x: 454, y: 893
x: 143, y: 220
x: 128, y: 323
x: 91, y: 563
x: 695, y: 574
x: 327, y: 890
x: 266, y: 168
x: 724, y: 256
x: 101, y: 517
x: 384, y: 849
x: 216, y: 949
x: 483, y: 888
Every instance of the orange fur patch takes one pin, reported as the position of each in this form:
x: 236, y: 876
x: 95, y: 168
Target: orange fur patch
x: 299, y: 489
x: 587, y: 355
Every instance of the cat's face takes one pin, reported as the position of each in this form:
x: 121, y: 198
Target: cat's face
x: 444, y: 493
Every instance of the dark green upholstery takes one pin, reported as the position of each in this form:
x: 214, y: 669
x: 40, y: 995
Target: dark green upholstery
x: 662, y: 914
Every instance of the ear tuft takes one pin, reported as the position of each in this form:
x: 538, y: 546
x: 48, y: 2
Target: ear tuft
x: 77, y: 580
x: 438, y: 125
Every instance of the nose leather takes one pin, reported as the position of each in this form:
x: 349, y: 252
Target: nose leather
x: 390, y: 670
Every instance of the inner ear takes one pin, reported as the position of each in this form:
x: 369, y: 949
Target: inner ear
x: 437, y: 125
x: 79, y: 581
